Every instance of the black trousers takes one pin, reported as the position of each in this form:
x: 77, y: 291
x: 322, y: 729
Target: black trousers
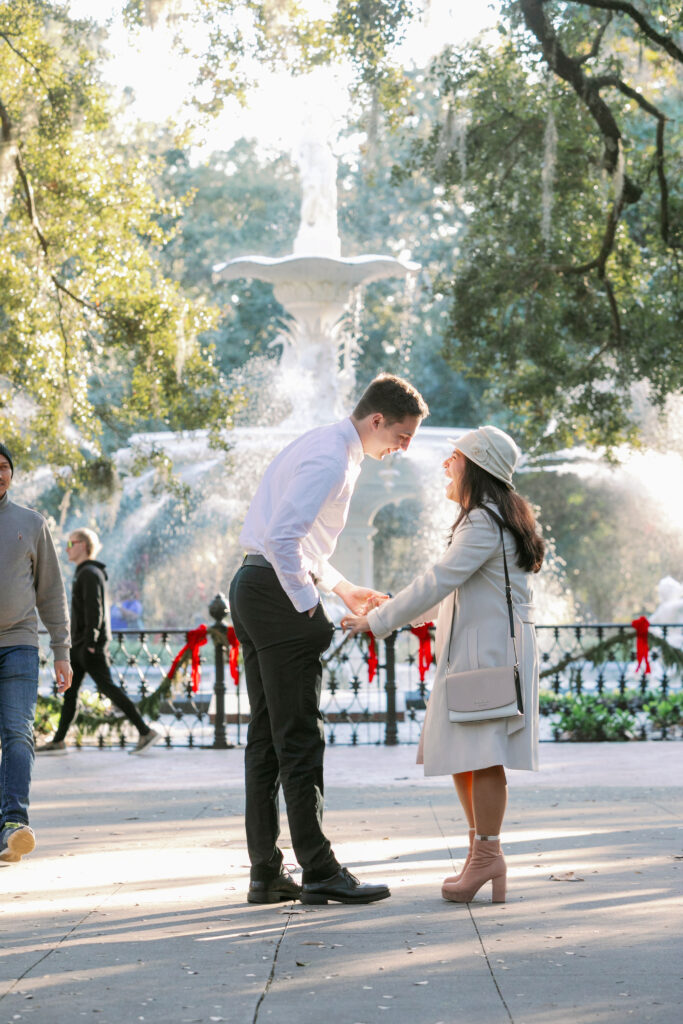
x: 84, y: 662
x: 285, y: 740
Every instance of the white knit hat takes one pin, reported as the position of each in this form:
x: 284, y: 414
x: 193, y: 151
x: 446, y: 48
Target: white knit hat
x: 492, y: 449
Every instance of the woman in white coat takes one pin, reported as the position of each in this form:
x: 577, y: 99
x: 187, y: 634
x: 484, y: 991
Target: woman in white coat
x: 465, y: 589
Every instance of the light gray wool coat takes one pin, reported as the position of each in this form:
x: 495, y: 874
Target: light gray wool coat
x: 465, y: 592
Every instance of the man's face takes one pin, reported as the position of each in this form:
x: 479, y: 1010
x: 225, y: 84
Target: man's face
x: 387, y: 438
x: 75, y: 549
x: 5, y: 475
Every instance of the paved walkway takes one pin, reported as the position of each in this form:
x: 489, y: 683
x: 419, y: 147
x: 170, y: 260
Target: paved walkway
x: 132, y: 907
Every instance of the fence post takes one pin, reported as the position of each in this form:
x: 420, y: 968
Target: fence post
x: 391, y: 732
x: 218, y: 610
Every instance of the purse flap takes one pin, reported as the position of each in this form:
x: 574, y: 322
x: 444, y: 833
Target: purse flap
x: 481, y: 689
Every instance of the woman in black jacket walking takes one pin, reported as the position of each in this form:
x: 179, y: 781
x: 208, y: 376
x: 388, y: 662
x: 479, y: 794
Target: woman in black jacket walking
x: 90, y: 636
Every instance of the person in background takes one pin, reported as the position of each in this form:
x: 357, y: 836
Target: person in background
x: 466, y: 588
x: 291, y: 530
x: 30, y: 581
x: 91, y: 634
x: 127, y: 612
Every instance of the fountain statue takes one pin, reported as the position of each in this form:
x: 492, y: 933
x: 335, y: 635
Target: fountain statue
x: 315, y: 285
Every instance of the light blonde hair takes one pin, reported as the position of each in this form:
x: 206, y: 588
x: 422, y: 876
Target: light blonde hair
x: 92, y: 541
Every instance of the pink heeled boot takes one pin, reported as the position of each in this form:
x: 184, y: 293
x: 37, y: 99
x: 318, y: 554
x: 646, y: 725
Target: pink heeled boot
x: 468, y: 858
x: 487, y: 865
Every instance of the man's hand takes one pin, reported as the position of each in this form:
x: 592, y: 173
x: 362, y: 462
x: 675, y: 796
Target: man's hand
x: 358, y: 599
x: 64, y: 675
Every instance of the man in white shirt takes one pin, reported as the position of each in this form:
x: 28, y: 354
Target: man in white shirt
x: 290, y: 532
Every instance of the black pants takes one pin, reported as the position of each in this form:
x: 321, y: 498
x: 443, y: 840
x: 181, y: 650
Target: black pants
x: 286, y: 740
x: 84, y: 662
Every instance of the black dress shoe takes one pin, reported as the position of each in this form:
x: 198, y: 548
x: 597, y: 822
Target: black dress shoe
x: 342, y: 888
x: 275, y: 891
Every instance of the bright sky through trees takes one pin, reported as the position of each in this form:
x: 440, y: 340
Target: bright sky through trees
x: 160, y: 78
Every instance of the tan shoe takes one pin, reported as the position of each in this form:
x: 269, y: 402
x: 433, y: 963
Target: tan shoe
x: 468, y: 858
x: 487, y: 865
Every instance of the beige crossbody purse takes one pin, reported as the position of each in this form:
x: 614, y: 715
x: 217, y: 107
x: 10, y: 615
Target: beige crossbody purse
x: 483, y: 694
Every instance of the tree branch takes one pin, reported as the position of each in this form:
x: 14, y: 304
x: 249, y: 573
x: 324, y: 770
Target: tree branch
x: 595, y: 48
x: 650, y: 108
x: 598, y: 262
x: 29, y: 202
x: 601, y: 81
x: 6, y: 122
x: 641, y: 21
x: 570, y: 70
x: 36, y: 70
x: 614, y: 309
x: 663, y: 187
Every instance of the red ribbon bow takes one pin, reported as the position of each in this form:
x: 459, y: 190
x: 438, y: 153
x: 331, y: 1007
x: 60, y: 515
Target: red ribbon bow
x: 424, y: 655
x: 373, y: 661
x: 233, y: 656
x: 641, y: 627
x: 196, y: 638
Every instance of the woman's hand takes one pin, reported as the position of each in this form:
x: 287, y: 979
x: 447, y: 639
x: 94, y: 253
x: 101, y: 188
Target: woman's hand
x: 355, y: 624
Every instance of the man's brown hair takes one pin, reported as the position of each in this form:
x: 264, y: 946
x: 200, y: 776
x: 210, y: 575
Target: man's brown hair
x: 393, y: 397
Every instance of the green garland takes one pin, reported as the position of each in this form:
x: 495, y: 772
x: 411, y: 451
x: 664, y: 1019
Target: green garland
x: 619, y: 647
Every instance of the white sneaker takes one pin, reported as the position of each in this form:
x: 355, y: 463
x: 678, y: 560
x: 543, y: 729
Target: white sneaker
x: 148, y: 740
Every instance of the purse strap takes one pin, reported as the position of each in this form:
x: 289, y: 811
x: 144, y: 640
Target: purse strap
x: 508, y: 589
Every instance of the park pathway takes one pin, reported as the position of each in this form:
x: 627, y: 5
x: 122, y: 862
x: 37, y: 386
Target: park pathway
x: 132, y: 908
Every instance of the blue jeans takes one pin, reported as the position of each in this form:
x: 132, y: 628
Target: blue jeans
x: 18, y: 696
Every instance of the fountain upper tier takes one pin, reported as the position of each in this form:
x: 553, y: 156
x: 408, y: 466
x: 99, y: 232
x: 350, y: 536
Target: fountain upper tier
x: 315, y: 291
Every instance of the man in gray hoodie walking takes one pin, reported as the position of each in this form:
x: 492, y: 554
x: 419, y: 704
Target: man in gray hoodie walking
x: 31, y: 581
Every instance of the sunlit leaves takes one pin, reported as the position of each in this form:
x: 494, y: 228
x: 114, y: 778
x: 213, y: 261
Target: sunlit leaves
x: 94, y: 333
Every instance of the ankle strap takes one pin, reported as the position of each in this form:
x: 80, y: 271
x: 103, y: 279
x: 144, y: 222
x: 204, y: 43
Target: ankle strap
x: 486, y: 839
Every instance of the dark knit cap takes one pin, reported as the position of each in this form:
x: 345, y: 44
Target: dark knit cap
x: 5, y: 451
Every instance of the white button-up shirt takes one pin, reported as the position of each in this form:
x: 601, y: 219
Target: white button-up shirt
x: 301, y: 506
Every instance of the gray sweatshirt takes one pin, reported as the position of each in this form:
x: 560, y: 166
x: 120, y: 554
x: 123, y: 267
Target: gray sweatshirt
x: 30, y: 579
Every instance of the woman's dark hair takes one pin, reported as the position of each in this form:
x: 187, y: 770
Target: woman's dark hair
x: 477, y: 487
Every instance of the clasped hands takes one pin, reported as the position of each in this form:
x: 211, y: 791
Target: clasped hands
x: 365, y: 601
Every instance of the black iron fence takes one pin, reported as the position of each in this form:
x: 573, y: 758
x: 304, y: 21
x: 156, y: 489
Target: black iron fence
x: 374, y: 692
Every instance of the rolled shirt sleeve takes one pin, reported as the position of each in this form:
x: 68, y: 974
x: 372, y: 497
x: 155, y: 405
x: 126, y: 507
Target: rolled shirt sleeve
x: 314, y: 486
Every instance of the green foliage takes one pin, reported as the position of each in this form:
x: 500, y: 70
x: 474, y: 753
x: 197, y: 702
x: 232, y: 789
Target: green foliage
x: 566, y: 287
x: 665, y: 714
x: 586, y: 720
x: 93, y: 330
x: 48, y: 710
x: 94, y: 712
x: 550, y: 703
